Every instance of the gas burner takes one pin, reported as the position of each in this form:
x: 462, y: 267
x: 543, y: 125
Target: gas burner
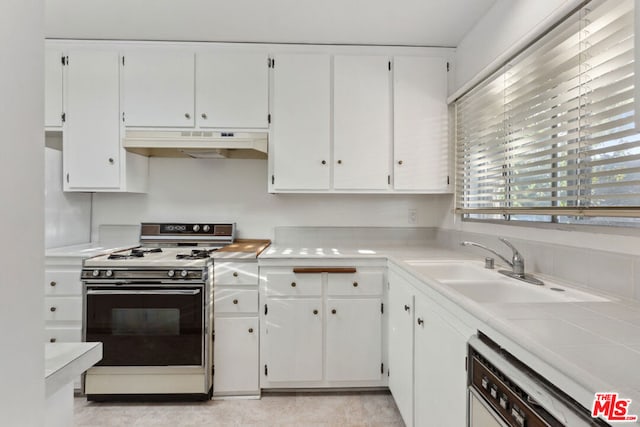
x: 196, y: 254
x: 134, y: 253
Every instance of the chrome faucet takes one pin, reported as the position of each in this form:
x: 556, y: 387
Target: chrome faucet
x: 516, y: 263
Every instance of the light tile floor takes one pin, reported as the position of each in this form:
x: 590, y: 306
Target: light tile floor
x: 366, y: 409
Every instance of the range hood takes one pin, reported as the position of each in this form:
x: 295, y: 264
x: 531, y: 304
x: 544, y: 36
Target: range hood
x: 197, y: 144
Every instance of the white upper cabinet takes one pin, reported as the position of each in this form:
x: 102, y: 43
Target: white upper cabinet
x: 158, y: 86
x: 53, y: 88
x: 91, y: 138
x: 301, y: 122
x: 362, y: 122
x: 420, y: 150
x: 232, y: 90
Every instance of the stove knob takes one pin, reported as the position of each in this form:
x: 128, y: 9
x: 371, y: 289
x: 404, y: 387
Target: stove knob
x: 96, y: 273
x: 183, y: 273
x: 171, y: 273
x: 196, y: 228
x: 109, y: 273
x: 206, y: 228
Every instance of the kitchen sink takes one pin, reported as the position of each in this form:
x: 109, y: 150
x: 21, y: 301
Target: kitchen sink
x: 472, y: 280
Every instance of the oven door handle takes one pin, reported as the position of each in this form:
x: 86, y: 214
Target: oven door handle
x: 144, y: 292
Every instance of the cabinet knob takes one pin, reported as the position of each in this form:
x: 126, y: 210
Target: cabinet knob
x: 235, y: 301
x: 187, y: 115
x: 53, y: 283
x: 420, y: 321
x: 406, y: 308
x: 334, y: 311
x: 400, y: 162
x: 52, y: 309
x: 250, y: 330
x: 324, y: 162
x: 355, y: 284
x: 315, y: 311
x: 293, y: 284
x: 111, y: 161
x: 52, y: 340
x: 203, y: 115
x: 235, y: 274
x: 339, y: 162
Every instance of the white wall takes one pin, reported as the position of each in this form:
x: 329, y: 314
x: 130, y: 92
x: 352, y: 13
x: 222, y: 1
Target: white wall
x: 22, y: 213
x: 199, y: 190
x: 502, y: 31
x: 67, y: 215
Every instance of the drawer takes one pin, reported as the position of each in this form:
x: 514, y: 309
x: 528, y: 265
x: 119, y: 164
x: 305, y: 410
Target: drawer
x: 360, y: 283
x: 235, y: 301
x: 235, y: 273
x: 63, y: 335
x: 62, y: 282
x: 63, y: 309
x: 291, y: 284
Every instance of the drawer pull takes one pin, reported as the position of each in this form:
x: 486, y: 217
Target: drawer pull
x: 52, y: 309
x: 315, y: 312
x: 235, y: 274
x: 53, y: 283
x: 52, y: 340
x: 293, y: 284
x: 235, y: 301
x: 333, y: 311
x: 250, y: 330
x: 355, y: 284
x: 315, y: 270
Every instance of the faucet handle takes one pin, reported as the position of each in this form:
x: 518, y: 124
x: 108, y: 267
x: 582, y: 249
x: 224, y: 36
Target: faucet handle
x: 517, y: 260
x: 513, y: 248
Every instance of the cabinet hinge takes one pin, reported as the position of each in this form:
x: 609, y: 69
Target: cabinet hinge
x: 64, y: 117
x: 268, y: 62
x: 266, y: 309
x: 389, y: 179
x: 447, y: 179
x: 466, y: 363
x: 213, y: 371
x: 273, y: 63
x: 67, y: 178
x: 389, y: 65
x: 269, y: 118
x: 388, y: 372
x: 447, y: 66
x: 123, y: 60
x: 382, y: 368
x: 64, y: 62
x: 382, y: 307
x: 273, y: 181
x: 266, y: 371
x: 123, y: 116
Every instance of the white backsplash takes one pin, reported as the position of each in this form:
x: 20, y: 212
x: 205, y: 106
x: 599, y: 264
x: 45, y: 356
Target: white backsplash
x: 353, y: 236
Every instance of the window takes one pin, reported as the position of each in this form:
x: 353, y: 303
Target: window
x: 551, y: 135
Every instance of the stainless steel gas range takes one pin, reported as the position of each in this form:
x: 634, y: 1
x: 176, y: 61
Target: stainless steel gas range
x: 152, y: 308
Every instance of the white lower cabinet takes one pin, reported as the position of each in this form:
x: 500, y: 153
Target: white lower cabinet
x: 235, y: 356
x: 322, y: 328
x: 427, y: 357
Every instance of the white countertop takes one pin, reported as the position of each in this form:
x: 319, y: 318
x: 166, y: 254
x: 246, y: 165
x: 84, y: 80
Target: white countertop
x: 88, y: 250
x: 582, y: 347
x: 64, y: 362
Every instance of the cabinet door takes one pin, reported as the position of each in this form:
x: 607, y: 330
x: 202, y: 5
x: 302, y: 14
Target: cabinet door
x: 362, y: 122
x: 421, y: 153
x: 293, y: 340
x: 300, y: 122
x: 354, y: 339
x: 158, y: 87
x: 53, y: 88
x: 236, y: 356
x: 91, y: 139
x: 440, y: 376
x: 401, y: 345
x: 232, y: 90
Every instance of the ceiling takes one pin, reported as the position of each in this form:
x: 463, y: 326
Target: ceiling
x: 391, y: 22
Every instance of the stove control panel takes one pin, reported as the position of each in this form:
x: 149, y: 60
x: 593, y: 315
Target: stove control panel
x: 130, y: 274
x: 159, y: 230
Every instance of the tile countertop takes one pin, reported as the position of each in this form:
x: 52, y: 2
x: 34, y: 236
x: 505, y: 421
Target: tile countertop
x: 582, y: 347
x: 87, y: 250
x: 64, y: 362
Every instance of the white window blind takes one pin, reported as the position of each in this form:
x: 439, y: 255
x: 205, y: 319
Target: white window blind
x: 552, y: 132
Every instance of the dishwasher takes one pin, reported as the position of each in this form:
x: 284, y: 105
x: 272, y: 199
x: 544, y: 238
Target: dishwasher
x: 504, y: 392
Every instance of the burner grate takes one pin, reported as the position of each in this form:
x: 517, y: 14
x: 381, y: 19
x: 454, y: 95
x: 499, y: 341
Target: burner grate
x: 196, y: 254
x: 134, y: 253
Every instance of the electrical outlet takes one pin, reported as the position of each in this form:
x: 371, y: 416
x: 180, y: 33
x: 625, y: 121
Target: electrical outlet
x: 413, y: 216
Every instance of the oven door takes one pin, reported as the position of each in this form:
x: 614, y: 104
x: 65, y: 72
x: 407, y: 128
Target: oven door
x: 146, y: 326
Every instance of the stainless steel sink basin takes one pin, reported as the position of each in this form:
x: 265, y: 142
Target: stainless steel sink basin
x: 472, y: 280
